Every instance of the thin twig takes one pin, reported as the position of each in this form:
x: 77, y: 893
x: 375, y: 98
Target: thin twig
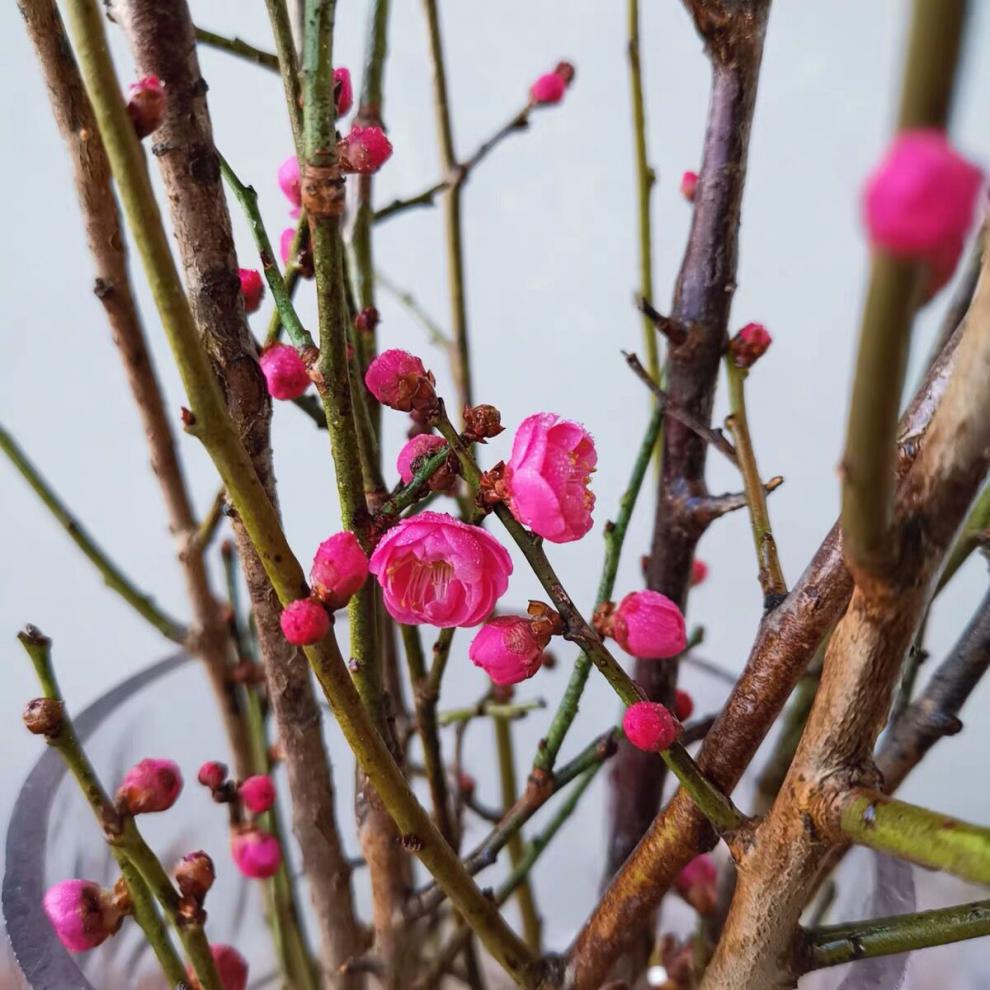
x: 237, y: 47
x: 490, y: 709
x: 437, y: 336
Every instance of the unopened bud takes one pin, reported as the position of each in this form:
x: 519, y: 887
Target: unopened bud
x: 43, y: 716
x: 749, y: 345
x: 146, y: 107
x: 149, y: 786
x: 482, y: 422
x: 212, y: 774
x: 367, y: 320
x: 195, y: 875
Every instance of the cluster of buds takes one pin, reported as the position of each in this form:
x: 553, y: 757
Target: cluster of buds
x: 509, y: 648
x: 551, y: 86
x: 84, y: 914
x: 367, y: 320
x: 749, y: 345
x: 646, y: 624
x: 152, y: 785
x: 146, y: 107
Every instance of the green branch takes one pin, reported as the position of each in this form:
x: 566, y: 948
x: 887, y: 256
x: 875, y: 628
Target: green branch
x: 288, y: 65
x: 490, y: 709
x: 238, y: 48
x: 142, y: 871
x: 113, y: 577
x: 925, y: 837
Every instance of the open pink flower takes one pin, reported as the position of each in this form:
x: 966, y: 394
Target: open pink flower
x: 343, y: 92
x: 340, y: 568
x: 257, y: 793
x: 424, y: 445
x: 232, y: 968
x: 82, y: 914
x: 435, y: 569
x: 290, y: 183
x: 256, y: 853
x: 648, y: 625
x: 547, y: 477
x: 507, y: 649
x: 919, y: 201
x: 285, y: 372
x: 649, y: 726
x: 399, y: 380
x: 151, y: 785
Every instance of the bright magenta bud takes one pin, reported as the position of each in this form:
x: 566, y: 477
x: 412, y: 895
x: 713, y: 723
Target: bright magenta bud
x: 689, y: 185
x: 232, y: 968
x: 548, y: 477
x: 683, y: 705
x: 82, y: 914
x: 399, y: 380
x: 649, y: 726
x: 918, y: 202
x: 749, y: 345
x: 365, y: 150
x: 285, y: 372
x: 340, y: 568
x: 343, y: 92
x: 304, y: 622
x: 699, y: 571
x: 507, y: 649
x: 212, y: 774
x: 146, y: 107
x: 438, y: 570
x: 696, y: 883
x: 290, y: 184
x: 257, y: 793
x: 648, y: 625
x: 252, y: 288
x: 548, y: 88
x: 412, y: 455
x: 149, y: 786
x: 256, y: 853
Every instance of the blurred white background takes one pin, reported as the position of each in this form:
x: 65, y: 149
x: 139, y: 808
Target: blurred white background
x: 551, y: 268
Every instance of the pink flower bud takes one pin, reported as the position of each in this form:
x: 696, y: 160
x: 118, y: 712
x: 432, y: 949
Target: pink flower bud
x: 548, y: 88
x: 304, y: 622
x: 365, y: 150
x: 151, y: 785
x: 918, y: 202
x: 399, y: 380
x: 649, y: 726
x: 212, y: 774
x: 284, y: 371
x: 548, y: 475
x: 683, y: 705
x: 257, y: 793
x: 435, y: 569
x: 285, y: 244
x: 82, y: 914
x: 252, y: 288
x: 689, y: 185
x: 232, y: 968
x: 648, y: 625
x: 696, y: 883
x: 340, y: 568
x: 194, y: 875
x: 418, y: 449
x: 507, y: 649
x: 256, y: 853
x: 146, y: 107
x: 749, y: 345
x: 289, y: 183
x: 343, y: 92
x: 699, y: 571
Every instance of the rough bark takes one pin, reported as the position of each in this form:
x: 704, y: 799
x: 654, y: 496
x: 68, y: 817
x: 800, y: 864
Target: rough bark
x: 162, y: 38
x: 702, y: 300
x: 861, y: 669
x: 91, y: 172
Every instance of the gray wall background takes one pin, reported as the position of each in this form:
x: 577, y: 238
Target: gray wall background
x: 551, y: 267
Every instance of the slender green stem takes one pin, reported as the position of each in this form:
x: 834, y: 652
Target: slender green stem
x: 925, y: 837
x: 770, y: 572
x: 452, y: 212
x: 288, y: 65
x: 248, y: 198
x: 490, y: 709
x: 210, y: 523
x: 237, y: 47
x: 293, y: 273
x: 408, y: 300
x: 615, y: 535
x: 209, y: 420
x: 142, y: 870
x: 868, y: 464
x: 113, y: 576
x: 532, y: 926
x: 416, y: 488
x: 973, y: 533
x: 645, y: 179
x: 711, y: 802
x: 838, y: 944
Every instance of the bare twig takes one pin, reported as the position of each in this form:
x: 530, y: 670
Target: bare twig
x: 238, y: 48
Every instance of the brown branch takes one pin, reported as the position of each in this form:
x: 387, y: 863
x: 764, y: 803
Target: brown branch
x: 91, y: 171
x: 163, y: 41
x: 861, y: 669
x: 785, y: 644
x: 702, y: 300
